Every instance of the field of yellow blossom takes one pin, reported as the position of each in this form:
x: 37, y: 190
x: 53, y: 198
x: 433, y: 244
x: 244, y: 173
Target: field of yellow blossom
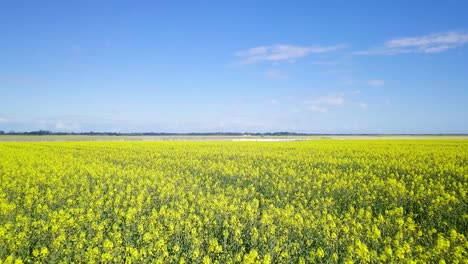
x: 323, y: 201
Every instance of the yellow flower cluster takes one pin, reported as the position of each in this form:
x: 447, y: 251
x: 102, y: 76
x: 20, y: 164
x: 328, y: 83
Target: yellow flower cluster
x: 234, y: 202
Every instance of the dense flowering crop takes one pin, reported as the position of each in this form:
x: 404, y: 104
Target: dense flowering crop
x: 234, y: 202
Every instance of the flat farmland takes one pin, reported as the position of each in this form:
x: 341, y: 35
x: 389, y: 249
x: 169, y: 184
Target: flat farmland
x: 391, y: 200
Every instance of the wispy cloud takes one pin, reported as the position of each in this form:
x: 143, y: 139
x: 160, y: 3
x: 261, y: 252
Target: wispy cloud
x: 3, y: 120
x: 433, y: 43
x: 281, y: 52
x: 322, y: 103
x: 363, y: 105
x: 315, y: 108
x: 275, y: 74
x: 375, y: 82
x: 62, y: 125
x: 333, y: 100
x: 327, y: 62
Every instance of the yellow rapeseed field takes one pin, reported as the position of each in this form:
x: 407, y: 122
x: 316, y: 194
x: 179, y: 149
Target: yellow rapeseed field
x: 371, y: 201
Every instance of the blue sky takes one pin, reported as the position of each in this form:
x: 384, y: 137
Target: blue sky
x: 257, y: 66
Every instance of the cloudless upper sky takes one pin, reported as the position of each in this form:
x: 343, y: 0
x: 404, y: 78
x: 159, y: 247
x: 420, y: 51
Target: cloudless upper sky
x: 257, y: 66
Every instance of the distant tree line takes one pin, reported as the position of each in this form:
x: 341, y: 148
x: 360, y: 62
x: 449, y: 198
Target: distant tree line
x: 91, y: 133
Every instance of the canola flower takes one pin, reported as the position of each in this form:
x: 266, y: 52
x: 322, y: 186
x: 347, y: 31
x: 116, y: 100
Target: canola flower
x: 234, y: 202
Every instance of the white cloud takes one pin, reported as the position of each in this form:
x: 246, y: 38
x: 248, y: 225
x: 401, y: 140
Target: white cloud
x: 315, y: 108
x: 281, y: 52
x: 66, y: 125
x: 322, y: 104
x: 334, y: 100
x: 363, y: 105
x: 59, y: 124
x: 375, y: 82
x: 326, y: 62
x: 433, y: 43
x: 275, y: 74
x: 3, y: 120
